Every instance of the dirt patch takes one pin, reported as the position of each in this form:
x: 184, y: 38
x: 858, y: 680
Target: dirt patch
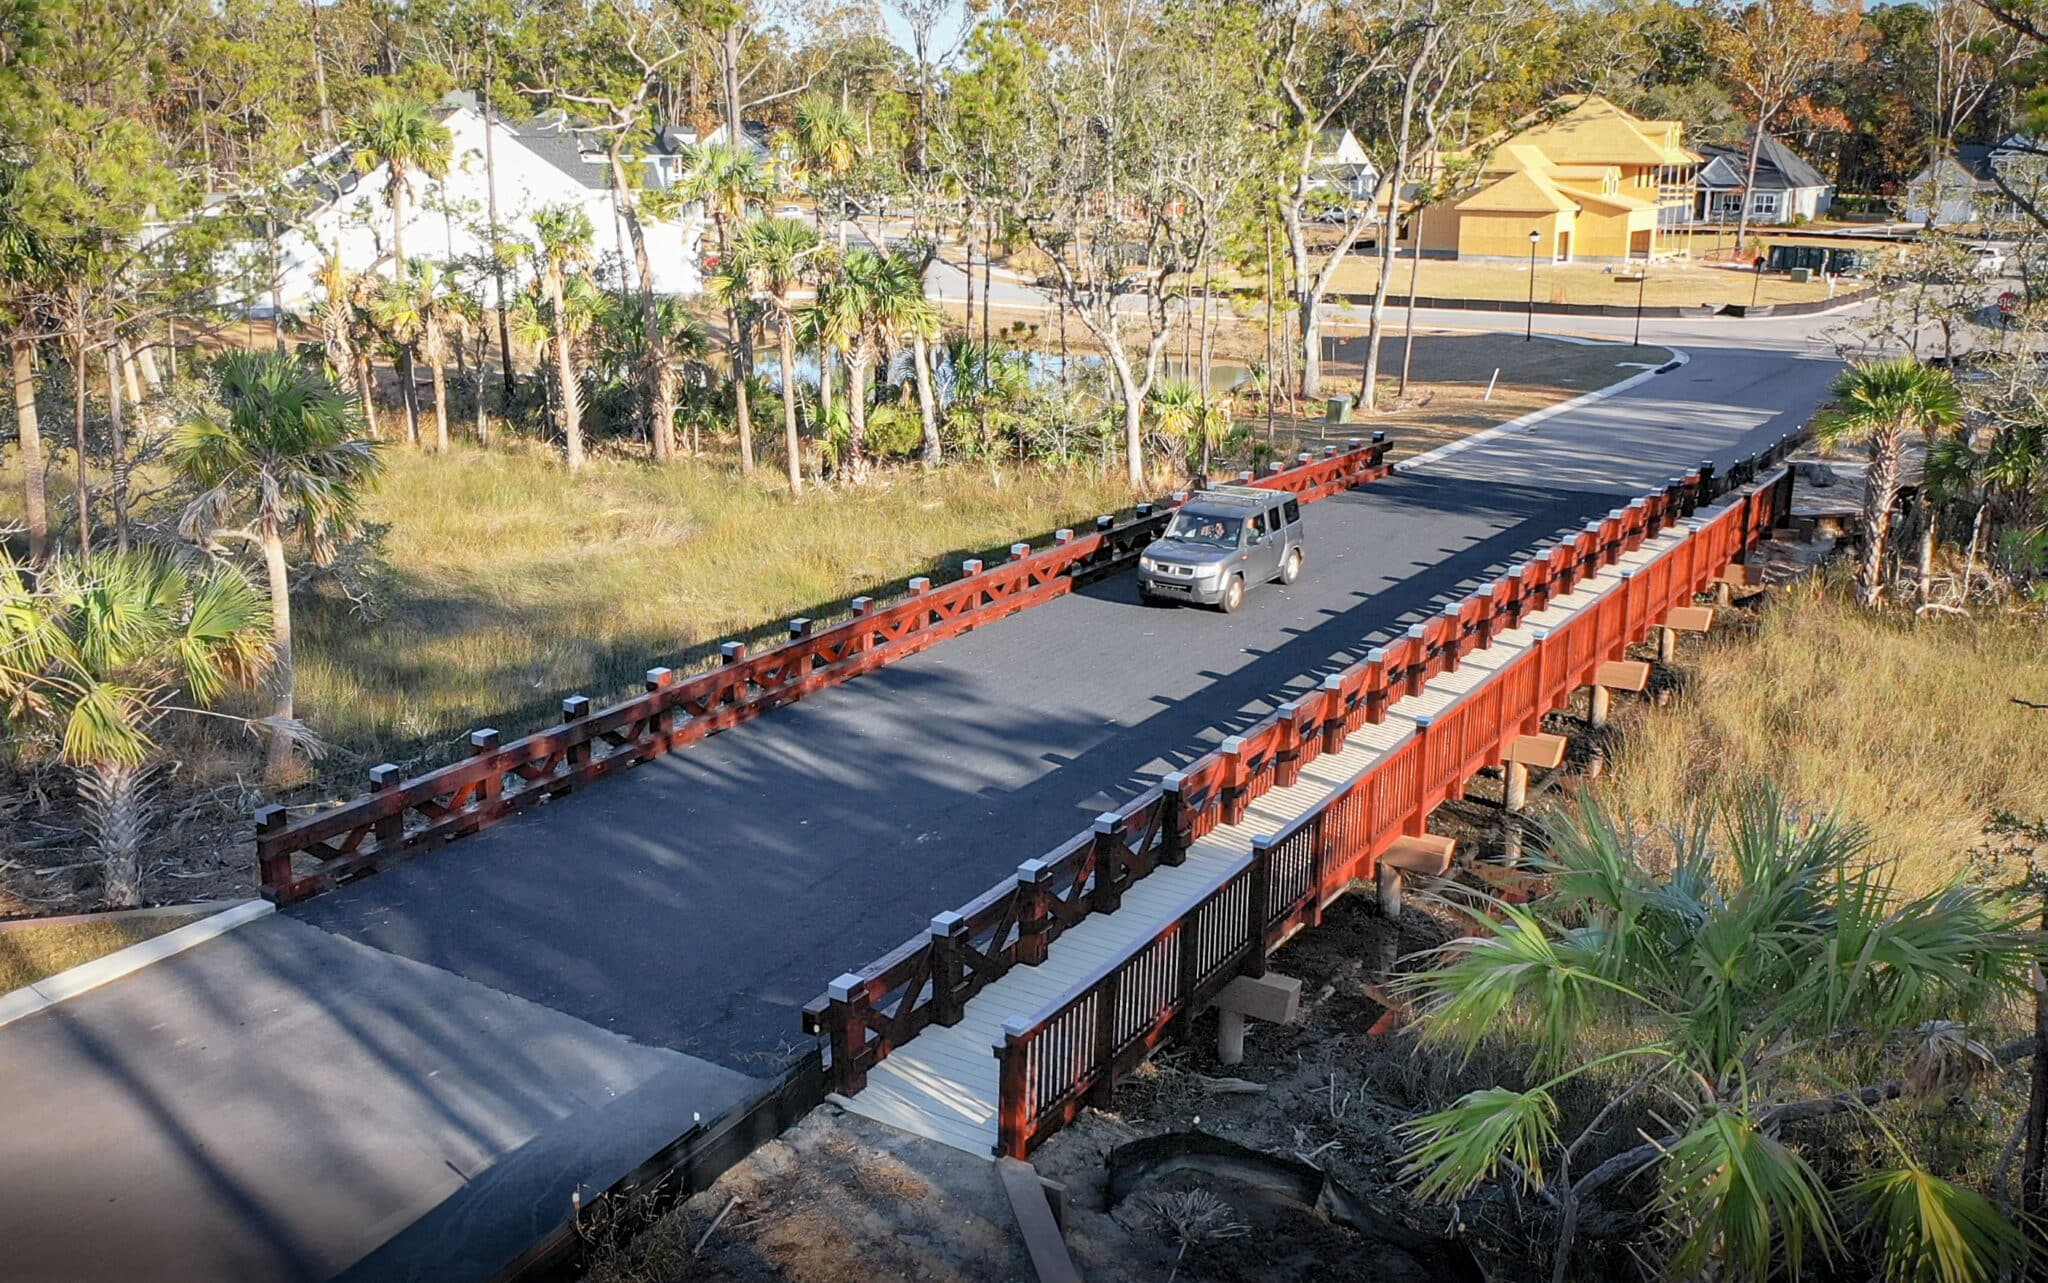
x: 29, y: 953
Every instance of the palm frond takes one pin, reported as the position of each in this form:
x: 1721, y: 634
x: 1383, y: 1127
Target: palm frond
x: 1742, y: 1196
x: 1930, y: 1231
x: 1455, y: 1149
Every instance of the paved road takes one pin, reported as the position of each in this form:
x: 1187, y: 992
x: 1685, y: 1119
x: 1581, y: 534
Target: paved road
x: 407, y: 1078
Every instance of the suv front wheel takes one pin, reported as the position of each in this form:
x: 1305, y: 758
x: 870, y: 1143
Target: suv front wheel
x: 1233, y: 594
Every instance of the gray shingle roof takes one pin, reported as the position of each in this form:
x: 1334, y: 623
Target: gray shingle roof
x: 1778, y: 167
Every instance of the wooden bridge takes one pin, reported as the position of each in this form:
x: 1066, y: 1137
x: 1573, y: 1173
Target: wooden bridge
x: 1016, y: 1010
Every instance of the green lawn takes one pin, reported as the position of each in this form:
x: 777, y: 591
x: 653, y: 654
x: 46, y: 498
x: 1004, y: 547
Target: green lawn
x: 32, y: 953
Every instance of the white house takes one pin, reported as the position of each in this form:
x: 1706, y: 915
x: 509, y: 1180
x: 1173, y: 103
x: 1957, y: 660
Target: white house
x: 1340, y: 162
x: 537, y: 165
x: 1786, y: 188
x: 1960, y: 188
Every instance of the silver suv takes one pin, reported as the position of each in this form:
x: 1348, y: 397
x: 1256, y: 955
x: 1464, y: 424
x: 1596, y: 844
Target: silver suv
x: 1221, y: 541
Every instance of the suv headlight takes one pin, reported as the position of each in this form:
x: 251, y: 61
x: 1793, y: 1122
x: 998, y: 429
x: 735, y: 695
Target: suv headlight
x: 1148, y: 565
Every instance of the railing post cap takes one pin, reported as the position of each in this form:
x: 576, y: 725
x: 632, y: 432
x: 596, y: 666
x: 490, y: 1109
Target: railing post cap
x: 270, y: 817
x: 1289, y: 709
x: 1015, y: 1027
x: 1423, y: 721
x: 1275, y: 468
x: 483, y: 736
x: 948, y: 923
x: 1020, y: 549
x: 732, y: 649
x: 576, y: 706
x: 1539, y: 631
x: 1065, y: 534
x: 1264, y: 841
x: 1234, y: 745
x: 1416, y: 631
x: 1617, y: 513
x: 1303, y: 457
x: 1356, y: 443
x: 863, y: 604
x: 1377, y: 655
x: 1453, y: 609
x: 1033, y: 870
x: 659, y: 677
x: 1329, y: 452
x: 1173, y: 781
x: 384, y: 775
x: 1108, y: 822
x: 921, y: 583
x: 971, y: 566
x: 1144, y: 510
x: 1104, y: 522
x: 1378, y: 437
x: 1334, y: 682
x: 842, y: 988
x: 1244, y: 474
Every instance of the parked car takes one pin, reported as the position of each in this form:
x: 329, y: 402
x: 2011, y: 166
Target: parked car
x: 1222, y: 541
x: 1989, y: 260
x: 793, y: 211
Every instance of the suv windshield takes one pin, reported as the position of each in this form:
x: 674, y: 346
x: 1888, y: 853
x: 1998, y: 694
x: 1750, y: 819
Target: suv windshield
x: 1205, y: 528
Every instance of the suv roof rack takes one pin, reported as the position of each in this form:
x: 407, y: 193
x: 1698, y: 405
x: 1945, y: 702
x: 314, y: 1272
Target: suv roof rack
x: 1239, y: 495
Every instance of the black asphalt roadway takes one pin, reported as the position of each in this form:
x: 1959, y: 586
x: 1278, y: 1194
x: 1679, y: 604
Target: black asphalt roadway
x: 410, y: 1078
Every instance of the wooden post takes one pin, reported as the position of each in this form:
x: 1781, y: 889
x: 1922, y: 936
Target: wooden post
x: 848, y: 1032
x: 1013, y: 1107
x: 1377, y: 683
x: 1287, y: 752
x: 1107, y: 895
x: 1108, y: 997
x: 1336, y: 717
x: 948, y: 931
x: 389, y: 829
x: 575, y: 709
x: 1667, y: 644
x: 1175, y: 824
x: 484, y: 743
x: 1258, y: 905
x: 1417, y: 674
x: 273, y: 862
x: 1034, y: 913
x: 1602, y: 700
x: 863, y: 638
x: 1235, y: 784
x: 664, y: 720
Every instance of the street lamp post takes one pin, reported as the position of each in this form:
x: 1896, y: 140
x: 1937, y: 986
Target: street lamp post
x: 1529, y: 332
x: 1642, y: 284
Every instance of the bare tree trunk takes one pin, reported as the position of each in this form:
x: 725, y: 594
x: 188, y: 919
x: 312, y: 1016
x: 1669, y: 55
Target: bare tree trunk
x: 1756, y: 148
x: 1414, y: 285
x: 1134, y: 405
x: 277, y: 759
x: 366, y: 385
x: 792, y: 444
x: 1928, y: 516
x: 78, y: 440
x: 497, y: 263
x: 36, y: 502
x: 437, y: 365
x: 653, y: 347
x: 118, y: 446
x: 857, y: 412
x: 927, y: 403
x: 130, y: 376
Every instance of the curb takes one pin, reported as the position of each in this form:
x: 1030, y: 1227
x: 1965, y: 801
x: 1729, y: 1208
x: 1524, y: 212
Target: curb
x: 86, y: 976
x: 1530, y: 420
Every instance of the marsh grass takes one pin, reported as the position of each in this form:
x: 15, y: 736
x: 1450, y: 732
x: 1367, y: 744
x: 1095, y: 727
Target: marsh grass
x: 504, y: 584
x: 1908, y: 727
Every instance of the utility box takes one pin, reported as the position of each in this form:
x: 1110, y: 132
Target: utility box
x: 1338, y: 410
x: 1801, y: 275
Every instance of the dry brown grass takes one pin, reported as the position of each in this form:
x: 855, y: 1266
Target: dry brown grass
x: 1907, y: 727
x: 32, y: 953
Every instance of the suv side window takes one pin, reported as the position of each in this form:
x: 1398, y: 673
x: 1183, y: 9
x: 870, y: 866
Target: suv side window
x: 1256, y: 528
x: 1293, y: 511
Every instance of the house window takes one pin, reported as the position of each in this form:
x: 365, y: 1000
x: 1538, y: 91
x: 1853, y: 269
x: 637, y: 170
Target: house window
x: 1764, y: 203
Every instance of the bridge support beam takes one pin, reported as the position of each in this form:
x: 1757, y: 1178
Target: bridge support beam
x: 1544, y: 752
x: 1271, y: 997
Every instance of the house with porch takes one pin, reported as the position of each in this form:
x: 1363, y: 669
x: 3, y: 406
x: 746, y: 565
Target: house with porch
x: 1787, y: 188
x: 1339, y: 162
x: 1961, y: 189
x: 1593, y: 182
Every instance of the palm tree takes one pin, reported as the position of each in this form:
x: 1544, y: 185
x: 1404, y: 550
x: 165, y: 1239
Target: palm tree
x: 283, y: 451
x: 419, y: 311
x: 682, y: 344
x: 1198, y: 425
x: 1879, y: 404
x: 902, y: 310
x: 843, y: 315
x: 827, y: 147
x: 1765, y: 955
x: 565, y: 236
x: 405, y: 138
x: 726, y: 179
x: 95, y: 651
x: 770, y: 257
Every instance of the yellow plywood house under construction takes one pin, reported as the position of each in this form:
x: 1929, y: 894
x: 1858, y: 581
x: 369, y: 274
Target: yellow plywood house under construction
x: 1592, y: 183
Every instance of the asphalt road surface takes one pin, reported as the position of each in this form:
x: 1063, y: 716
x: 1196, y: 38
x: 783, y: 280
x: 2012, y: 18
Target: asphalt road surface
x: 408, y: 1078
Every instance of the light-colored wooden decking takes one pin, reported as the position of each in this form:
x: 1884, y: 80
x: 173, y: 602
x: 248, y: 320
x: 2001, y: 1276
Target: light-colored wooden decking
x: 942, y: 1084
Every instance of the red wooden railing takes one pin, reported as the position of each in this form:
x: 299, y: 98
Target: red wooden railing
x: 1074, y: 1050
x: 929, y: 978
x: 399, y: 817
